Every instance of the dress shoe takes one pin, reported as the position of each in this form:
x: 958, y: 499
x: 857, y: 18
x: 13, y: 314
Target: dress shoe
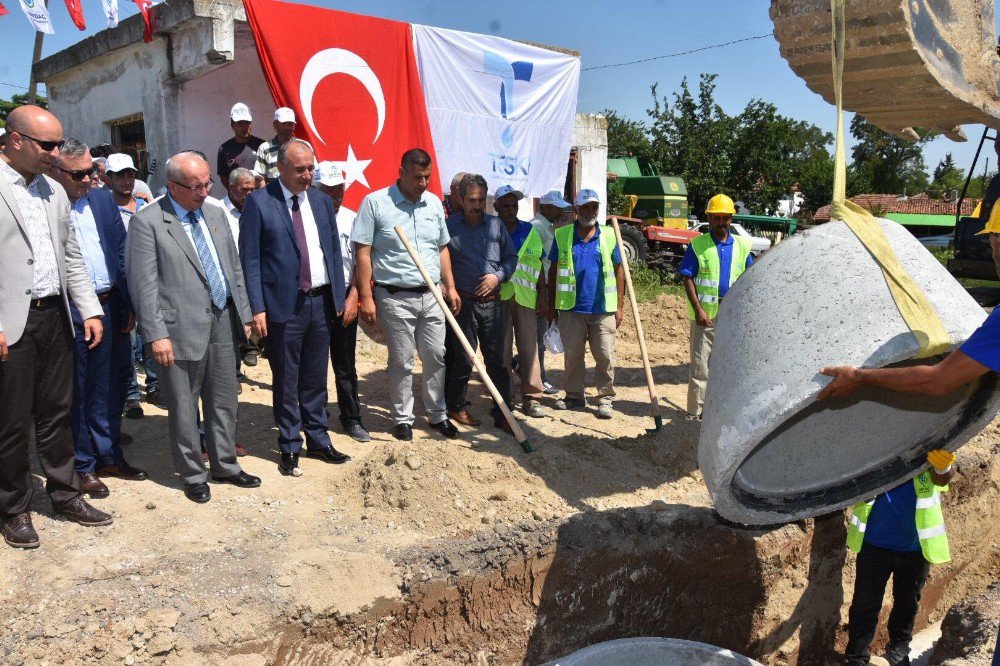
x: 250, y: 358
x: 18, y: 531
x: 465, y: 418
x: 289, y: 462
x: 197, y: 492
x: 357, y: 432
x: 240, y: 450
x: 329, y: 454
x: 123, y: 471
x: 533, y: 409
x: 133, y: 410
x: 570, y: 403
x: 93, y: 487
x: 501, y: 422
x: 154, y: 398
x: 402, y: 432
x: 446, y: 428
x: 240, y: 479
x: 80, y: 512
x: 125, y: 439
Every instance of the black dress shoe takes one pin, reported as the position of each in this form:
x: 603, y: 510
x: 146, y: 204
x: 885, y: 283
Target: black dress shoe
x: 197, y: 492
x: 289, y: 462
x: 446, y: 428
x: 402, y: 432
x: 241, y: 479
x: 357, y: 432
x: 329, y: 454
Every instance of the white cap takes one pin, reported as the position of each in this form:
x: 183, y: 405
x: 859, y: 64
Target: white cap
x: 284, y: 115
x: 239, y: 112
x: 504, y: 190
x: 554, y: 198
x: 3, y: 130
x: 329, y: 174
x: 586, y: 197
x: 119, y: 162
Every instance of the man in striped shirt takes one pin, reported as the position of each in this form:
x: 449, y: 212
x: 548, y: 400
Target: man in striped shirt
x: 267, y: 154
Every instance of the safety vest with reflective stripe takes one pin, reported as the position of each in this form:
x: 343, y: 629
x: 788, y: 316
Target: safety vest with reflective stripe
x: 566, y: 274
x: 930, y: 521
x: 523, y: 284
x: 706, y: 282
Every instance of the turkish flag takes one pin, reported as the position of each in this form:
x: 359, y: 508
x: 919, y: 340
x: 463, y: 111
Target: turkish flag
x: 3, y: 10
x: 76, y: 13
x: 144, y: 5
x: 353, y: 83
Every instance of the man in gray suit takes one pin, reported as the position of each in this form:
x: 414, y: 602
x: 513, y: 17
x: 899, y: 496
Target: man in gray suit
x: 42, y: 268
x: 191, y: 306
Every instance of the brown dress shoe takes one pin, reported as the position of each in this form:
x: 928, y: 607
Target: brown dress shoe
x: 18, y: 531
x: 240, y: 450
x: 93, y: 487
x: 80, y: 512
x: 465, y: 418
x: 501, y: 422
x: 123, y: 471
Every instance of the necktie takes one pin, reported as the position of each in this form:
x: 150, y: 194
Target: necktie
x: 215, y: 282
x: 305, y: 274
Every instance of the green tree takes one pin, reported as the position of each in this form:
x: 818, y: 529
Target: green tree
x: 627, y: 138
x: 815, y: 179
x: 947, y: 177
x: 888, y: 163
x: 20, y: 99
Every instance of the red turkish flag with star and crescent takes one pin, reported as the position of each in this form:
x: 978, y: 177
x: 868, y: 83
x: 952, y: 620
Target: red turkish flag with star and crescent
x: 353, y: 83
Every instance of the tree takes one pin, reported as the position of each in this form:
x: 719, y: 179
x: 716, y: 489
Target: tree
x: 20, y: 99
x: 947, y: 177
x: 627, y: 138
x: 815, y: 178
x: 888, y: 163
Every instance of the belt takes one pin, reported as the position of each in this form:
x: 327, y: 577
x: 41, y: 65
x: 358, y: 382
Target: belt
x: 392, y: 288
x: 42, y: 303
x: 479, y: 299
x: 317, y: 291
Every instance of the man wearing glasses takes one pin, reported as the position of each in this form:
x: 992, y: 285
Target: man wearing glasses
x: 191, y: 307
x: 42, y: 270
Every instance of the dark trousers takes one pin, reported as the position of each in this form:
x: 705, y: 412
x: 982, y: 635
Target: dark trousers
x: 343, y: 347
x: 100, y: 379
x: 483, y: 325
x: 874, y: 566
x: 37, y: 378
x: 299, y: 351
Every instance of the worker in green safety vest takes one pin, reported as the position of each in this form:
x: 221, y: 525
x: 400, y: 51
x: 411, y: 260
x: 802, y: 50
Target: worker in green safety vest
x: 524, y: 299
x: 588, y: 297
x: 710, y: 266
x: 900, y: 533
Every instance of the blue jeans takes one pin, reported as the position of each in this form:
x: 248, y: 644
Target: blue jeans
x: 139, y: 356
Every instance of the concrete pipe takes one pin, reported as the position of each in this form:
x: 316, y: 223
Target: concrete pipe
x: 768, y: 451
x: 653, y: 652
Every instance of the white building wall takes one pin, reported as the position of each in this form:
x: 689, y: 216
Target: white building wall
x: 590, y: 138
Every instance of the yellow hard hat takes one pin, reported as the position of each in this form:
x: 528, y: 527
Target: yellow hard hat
x: 993, y: 224
x: 720, y: 204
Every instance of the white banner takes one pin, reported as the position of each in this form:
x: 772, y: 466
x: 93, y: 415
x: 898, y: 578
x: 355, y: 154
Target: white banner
x: 498, y: 108
x: 111, y: 12
x: 38, y: 15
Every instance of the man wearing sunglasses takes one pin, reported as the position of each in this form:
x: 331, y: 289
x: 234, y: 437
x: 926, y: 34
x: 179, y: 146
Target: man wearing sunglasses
x: 102, y: 374
x: 42, y: 270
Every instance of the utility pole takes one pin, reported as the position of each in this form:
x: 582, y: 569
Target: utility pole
x: 36, y: 56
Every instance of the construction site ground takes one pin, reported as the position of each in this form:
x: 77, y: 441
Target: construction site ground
x: 453, y: 551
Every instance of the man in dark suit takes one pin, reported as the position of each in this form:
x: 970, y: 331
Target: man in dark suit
x: 191, y: 306
x: 42, y: 269
x: 100, y: 375
x: 295, y: 281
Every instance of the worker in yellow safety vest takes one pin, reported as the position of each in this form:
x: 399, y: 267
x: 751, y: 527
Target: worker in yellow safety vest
x: 900, y: 533
x: 588, y: 296
x: 524, y: 299
x: 710, y: 266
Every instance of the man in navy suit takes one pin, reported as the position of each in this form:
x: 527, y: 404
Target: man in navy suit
x: 295, y: 282
x: 100, y: 375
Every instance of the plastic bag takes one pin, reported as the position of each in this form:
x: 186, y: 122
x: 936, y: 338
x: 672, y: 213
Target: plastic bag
x: 553, y: 340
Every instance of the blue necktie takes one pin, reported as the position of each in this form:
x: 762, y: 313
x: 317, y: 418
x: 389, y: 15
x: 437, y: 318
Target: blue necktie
x: 215, y: 282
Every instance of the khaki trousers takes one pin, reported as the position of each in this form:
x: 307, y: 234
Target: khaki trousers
x: 599, y: 329
x: 522, y: 328
x: 702, y: 338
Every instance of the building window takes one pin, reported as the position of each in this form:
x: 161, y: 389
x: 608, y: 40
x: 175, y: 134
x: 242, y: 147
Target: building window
x: 128, y: 135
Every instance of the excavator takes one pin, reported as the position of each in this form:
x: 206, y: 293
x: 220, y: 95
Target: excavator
x: 931, y: 65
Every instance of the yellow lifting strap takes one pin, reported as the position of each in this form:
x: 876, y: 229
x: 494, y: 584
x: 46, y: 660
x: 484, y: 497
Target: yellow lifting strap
x: 916, y: 309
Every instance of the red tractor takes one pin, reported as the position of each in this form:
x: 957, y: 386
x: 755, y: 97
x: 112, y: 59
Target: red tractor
x: 647, y: 243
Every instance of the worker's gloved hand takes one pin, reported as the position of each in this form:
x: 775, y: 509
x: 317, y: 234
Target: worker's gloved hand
x: 941, y: 460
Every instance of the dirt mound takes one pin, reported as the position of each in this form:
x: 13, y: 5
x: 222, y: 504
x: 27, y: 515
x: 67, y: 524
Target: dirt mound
x: 969, y: 630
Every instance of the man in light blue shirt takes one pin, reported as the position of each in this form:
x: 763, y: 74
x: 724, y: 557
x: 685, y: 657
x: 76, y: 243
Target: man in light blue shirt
x: 400, y: 299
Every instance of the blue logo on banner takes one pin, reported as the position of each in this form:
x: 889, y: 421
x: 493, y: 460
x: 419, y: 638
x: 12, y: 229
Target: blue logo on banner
x: 509, y: 72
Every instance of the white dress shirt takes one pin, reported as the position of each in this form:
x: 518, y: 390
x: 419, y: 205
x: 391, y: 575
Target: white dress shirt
x: 345, y: 225
x: 85, y: 227
x: 317, y: 266
x: 233, y: 215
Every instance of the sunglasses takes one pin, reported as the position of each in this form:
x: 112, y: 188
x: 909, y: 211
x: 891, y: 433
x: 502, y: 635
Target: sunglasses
x: 47, y: 146
x: 78, y: 176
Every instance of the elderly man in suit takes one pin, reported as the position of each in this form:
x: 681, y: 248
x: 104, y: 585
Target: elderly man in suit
x: 42, y: 270
x: 100, y: 375
x: 295, y: 281
x: 191, y: 307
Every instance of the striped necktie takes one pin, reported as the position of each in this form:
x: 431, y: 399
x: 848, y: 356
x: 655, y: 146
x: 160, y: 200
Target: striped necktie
x: 215, y: 282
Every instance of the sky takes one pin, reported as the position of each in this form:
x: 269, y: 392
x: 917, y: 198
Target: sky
x: 602, y: 35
